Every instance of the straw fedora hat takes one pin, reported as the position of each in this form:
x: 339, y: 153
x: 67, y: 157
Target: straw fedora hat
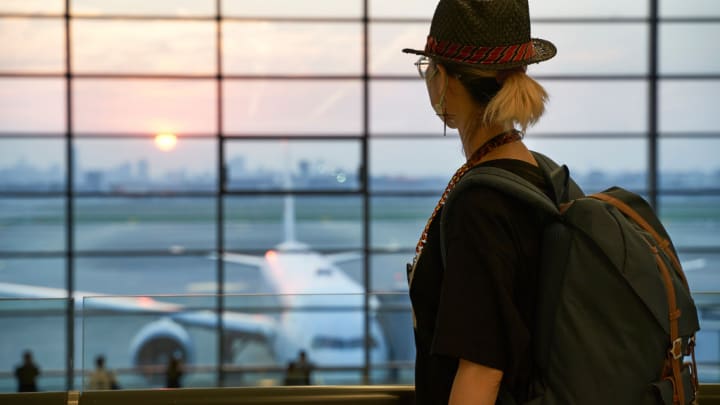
x: 487, y: 34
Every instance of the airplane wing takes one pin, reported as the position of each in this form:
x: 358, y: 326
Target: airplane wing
x: 247, y: 326
x: 10, y: 290
x: 238, y: 258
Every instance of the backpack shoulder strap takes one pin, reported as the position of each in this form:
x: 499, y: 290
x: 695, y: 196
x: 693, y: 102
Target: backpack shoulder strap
x: 503, y: 181
x: 558, y: 177
x: 506, y: 182
x: 564, y: 188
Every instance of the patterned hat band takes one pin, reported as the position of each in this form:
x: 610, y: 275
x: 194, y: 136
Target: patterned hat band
x: 479, y: 55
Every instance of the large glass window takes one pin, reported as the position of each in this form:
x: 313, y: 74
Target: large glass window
x: 174, y: 150
x: 32, y: 105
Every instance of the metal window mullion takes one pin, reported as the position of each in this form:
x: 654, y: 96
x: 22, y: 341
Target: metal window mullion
x: 219, y: 195
x: 652, y: 185
x: 69, y: 208
x: 364, y: 172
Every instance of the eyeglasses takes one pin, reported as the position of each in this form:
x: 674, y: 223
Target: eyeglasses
x: 422, y: 65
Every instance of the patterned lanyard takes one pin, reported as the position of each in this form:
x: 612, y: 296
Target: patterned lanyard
x: 497, y: 141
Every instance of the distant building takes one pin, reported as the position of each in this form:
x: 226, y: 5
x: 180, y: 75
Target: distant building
x: 143, y: 170
x: 94, y: 180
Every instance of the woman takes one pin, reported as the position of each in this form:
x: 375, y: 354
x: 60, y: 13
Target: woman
x: 473, y: 311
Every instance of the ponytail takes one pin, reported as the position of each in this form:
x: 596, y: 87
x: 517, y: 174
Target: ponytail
x: 521, y: 100
x: 507, y: 97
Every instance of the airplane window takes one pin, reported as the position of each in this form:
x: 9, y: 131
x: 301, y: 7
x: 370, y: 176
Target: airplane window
x: 324, y: 272
x: 332, y: 342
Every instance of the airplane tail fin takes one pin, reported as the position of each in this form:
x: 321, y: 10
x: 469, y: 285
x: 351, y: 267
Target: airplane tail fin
x: 289, y: 219
x: 289, y: 242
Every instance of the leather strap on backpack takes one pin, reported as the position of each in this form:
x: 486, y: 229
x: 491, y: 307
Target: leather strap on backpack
x: 675, y: 353
x: 663, y: 243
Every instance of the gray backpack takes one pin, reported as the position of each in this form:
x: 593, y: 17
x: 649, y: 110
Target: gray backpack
x: 614, y: 314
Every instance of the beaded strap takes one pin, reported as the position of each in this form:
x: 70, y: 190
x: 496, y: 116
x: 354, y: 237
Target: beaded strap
x: 497, y: 141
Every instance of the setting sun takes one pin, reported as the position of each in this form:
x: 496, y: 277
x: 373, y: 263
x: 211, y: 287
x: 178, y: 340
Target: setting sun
x: 165, y: 141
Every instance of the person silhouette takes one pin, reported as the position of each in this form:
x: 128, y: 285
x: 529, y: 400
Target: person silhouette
x: 102, y: 378
x: 174, y: 372
x: 298, y: 371
x: 27, y: 373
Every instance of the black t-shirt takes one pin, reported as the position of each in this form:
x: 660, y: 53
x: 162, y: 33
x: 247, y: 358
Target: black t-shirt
x: 481, y: 306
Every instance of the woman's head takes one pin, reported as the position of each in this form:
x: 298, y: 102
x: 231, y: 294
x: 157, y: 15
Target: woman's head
x: 486, y: 45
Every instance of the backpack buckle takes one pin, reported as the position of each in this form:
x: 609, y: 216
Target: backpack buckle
x: 676, y: 349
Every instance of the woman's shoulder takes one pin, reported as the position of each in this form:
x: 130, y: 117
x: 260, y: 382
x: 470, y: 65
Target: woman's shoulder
x: 492, y: 203
x: 524, y: 169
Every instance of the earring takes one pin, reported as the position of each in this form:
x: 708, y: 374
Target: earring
x: 445, y: 118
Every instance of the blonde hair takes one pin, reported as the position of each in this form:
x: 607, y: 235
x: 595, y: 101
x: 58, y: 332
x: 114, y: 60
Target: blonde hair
x: 519, y: 101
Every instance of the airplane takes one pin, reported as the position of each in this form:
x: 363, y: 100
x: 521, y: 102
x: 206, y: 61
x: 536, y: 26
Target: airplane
x: 322, y: 312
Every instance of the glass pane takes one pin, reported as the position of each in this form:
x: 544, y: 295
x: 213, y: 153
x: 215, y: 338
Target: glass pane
x: 707, y: 350
x: 32, y: 6
x: 402, y: 8
x: 395, y: 318
x: 588, y: 8
x: 691, y: 221
x: 292, y: 48
x: 254, y: 361
x: 414, y: 164
x: 145, y: 275
x: 403, y: 107
x: 17, y: 274
x: 386, y: 42
x: 689, y: 48
x: 32, y: 225
x: 322, y: 222
x: 142, y: 7
x: 586, y: 49
x: 597, y: 164
x: 547, y: 8
x: 396, y: 224
x: 701, y: 269
x: 700, y: 171
x: 295, y: 165
x: 183, y: 47
x: 329, y: 328
x: 703, y: 274
x: 138, y: 336
x: 688, y: 105
x: 38, y: 327
x: 695, y: 8
x: 32, y: 105
x: 600, y: 106
x: 388, y: 270
x: 32, y: 45
x: 172, y: 224
x: 141, y: 165
x: 32, y: 164
x: 282, y: 8
x: 572, y: 40
x: 144, y: 106
x: 293, y: 107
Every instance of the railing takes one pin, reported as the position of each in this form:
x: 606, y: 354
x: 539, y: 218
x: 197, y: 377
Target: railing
x: 261, y: 334
x: 338, y: 395
x: 380, y: 395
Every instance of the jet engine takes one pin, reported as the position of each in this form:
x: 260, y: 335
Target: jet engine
x: 155, y: 343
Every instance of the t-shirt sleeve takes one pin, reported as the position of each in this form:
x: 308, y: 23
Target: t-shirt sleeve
x: 477, y: 319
